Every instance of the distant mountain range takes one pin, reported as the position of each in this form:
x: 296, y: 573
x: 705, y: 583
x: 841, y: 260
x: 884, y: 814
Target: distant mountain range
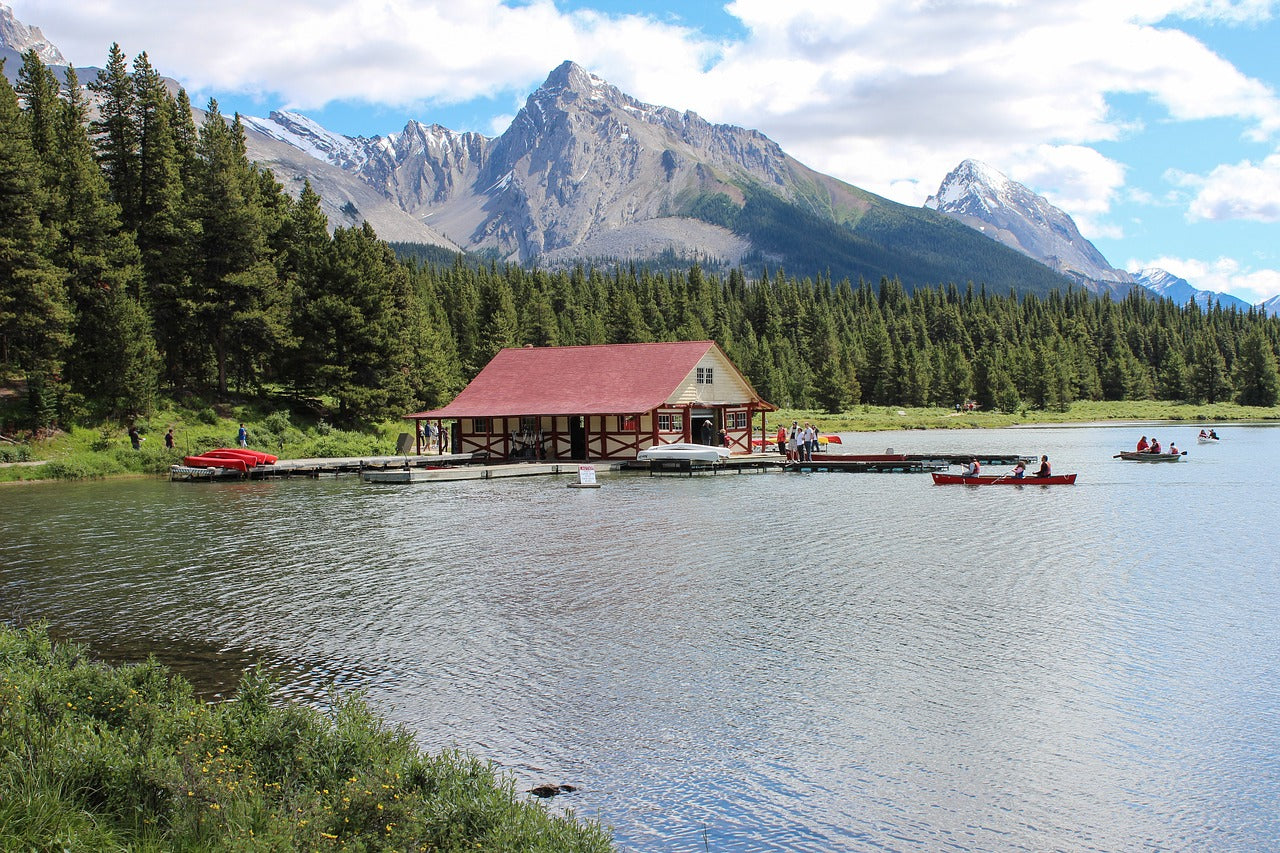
x: 1010, y: 213
x: 1168, y: 285
x: 586, y: 172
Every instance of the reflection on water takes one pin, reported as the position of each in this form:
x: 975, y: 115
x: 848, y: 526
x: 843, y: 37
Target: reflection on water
x: 764, y: 662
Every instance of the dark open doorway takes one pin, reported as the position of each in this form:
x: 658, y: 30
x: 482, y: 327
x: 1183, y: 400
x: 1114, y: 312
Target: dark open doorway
x: 577, y: 438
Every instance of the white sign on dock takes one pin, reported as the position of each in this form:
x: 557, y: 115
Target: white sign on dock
x: 586, y: 478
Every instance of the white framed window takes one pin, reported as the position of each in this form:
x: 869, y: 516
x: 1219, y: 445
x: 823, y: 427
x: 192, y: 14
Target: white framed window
x: 739, y: 420
x: 706, y: 376
x: 669, y: 422
x: 480, y: 426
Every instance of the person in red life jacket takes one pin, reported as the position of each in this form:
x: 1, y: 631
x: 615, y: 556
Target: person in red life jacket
x: 1155, y: 446
x: 973, y: 469
x: 1173, y: 448
x: 782, y: 439
x: 1044, y: 470
x: 1142, y: 444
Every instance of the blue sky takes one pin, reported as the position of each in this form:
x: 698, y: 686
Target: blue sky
x: 1154, y: 123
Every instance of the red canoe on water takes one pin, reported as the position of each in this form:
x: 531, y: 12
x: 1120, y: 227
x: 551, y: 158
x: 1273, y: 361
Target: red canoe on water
x: 1003, y: 480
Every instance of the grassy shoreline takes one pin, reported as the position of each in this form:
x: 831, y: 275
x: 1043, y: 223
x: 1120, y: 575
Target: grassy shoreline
x: 104, y: 451
x: 881, y: 418
x: 98, y: 757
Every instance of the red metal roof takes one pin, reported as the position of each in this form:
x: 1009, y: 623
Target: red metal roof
x: 586, y: 380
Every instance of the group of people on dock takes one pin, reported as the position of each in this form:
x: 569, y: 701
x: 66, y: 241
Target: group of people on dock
x: 429, y: 435
x: 798, y: 444
x: 974, y: 469
x: 1154, y: 446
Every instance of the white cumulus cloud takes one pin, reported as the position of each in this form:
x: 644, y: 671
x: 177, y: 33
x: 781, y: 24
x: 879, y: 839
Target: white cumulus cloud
x: 1242, y: 190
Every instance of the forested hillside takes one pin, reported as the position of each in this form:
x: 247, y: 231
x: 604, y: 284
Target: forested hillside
x: 140, y: 253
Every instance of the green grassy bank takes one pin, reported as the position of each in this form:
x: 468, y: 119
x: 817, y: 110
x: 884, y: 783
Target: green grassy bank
x: 872, y: 418
x: 104, y: 451
x: 95, y: 757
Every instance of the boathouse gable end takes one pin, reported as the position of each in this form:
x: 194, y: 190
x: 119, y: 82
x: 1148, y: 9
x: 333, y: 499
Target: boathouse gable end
x: 713, y: 381
x: 599, y: 402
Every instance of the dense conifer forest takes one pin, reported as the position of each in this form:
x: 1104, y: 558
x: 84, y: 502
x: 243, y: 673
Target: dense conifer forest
x: 142, y: 254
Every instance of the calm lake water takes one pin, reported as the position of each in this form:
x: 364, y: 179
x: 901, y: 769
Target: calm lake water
x: 766, y: 662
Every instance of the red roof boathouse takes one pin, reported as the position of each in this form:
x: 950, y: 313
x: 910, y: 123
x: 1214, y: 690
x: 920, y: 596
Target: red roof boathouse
x: 602, y: 402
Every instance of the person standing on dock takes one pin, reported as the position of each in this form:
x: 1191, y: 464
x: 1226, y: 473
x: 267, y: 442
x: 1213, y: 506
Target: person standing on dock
x: 782, y: 440
x: 242, y: 437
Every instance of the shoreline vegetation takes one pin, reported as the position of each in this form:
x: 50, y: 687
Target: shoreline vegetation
x: 101, y: 757
x: 104, y: 451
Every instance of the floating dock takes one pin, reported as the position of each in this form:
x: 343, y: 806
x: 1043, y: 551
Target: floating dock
x: 326, y: 466
x: 476, y: 472
x: 754, y: 463
x: 467, y: 466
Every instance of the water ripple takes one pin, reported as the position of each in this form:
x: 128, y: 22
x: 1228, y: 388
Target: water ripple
x: 758, y: 663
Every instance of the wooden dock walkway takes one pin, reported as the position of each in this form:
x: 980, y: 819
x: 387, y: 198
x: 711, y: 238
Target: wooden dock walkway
x: 467, y: 466
x: 478, y: 472
x: 324, y: 466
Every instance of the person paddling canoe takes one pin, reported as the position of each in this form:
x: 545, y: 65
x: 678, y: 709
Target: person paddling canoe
x: 1044, y: 470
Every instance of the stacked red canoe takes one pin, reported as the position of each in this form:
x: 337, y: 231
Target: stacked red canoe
x: 232, y: 458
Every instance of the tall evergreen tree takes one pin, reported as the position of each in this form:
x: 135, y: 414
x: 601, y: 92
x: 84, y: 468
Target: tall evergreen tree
x: 1257, y: 377
x: 35, y: 316
x: 113, y: 364
x: 236, y: 300
x: 114, y: 132
x: 1207, y: 374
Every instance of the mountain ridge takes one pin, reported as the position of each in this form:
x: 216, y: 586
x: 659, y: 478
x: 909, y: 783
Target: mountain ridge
x: 585, y: 171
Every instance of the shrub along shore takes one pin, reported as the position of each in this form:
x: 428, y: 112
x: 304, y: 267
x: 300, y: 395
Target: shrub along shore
x: 99, y: 757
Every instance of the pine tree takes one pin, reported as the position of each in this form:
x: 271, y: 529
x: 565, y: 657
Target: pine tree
x: 1207, y: 374
x: 1256, y: 374
x: 35, y: 316
x: 113, y: 363
x: 115, y: 134
x: 38, y: 89
x: 236, y: 301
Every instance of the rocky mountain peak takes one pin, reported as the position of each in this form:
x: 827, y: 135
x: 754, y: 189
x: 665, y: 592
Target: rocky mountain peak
x: 572, y: 77
x: 974, y: 187
x: 984, y: 198
x: 20, y: 38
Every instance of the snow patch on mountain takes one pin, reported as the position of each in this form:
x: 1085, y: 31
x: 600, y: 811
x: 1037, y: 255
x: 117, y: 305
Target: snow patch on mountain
x: 309, y: 137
